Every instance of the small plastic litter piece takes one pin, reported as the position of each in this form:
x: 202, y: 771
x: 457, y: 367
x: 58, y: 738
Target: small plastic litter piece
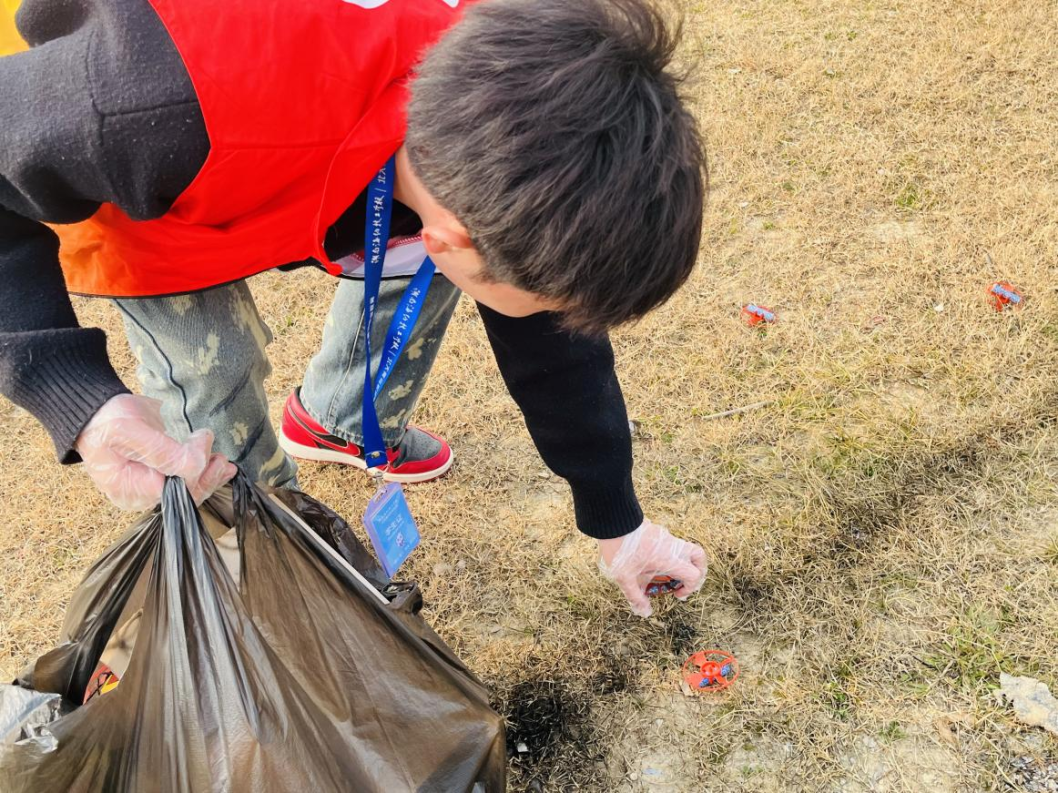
x: 662, y: 585
x: 874, y: 322
x: 755, y: 315
x: 523, y: 749
x: 710, y: 670
x: 103, y: 681
x: 1005, y: 295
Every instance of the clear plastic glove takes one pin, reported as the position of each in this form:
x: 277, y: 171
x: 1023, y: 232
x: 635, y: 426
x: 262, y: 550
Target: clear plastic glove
x: 128, y: 455
x: 650, y: 551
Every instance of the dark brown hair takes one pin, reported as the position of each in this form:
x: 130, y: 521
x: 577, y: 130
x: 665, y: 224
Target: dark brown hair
x: 554, y: 130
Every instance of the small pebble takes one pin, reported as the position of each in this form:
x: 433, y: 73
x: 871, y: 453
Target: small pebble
x: 1035, y: 776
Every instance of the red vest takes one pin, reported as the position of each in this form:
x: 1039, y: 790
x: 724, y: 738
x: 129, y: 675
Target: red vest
x: 303, y: 100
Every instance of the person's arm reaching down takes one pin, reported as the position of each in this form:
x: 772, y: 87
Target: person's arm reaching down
x: 567, y: 389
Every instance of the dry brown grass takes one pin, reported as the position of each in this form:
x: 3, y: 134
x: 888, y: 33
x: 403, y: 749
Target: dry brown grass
x: 883, y: 534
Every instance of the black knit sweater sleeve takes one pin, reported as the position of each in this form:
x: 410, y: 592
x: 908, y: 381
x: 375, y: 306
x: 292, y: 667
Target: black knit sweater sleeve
x: 567, y: 389
x: 100, y: 109
x: 56, y: 370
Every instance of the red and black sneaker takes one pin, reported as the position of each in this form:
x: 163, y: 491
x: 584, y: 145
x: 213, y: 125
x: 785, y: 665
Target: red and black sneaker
x: 420, y: 457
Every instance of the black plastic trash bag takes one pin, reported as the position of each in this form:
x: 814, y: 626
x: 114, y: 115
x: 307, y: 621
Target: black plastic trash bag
x: 292, y: 671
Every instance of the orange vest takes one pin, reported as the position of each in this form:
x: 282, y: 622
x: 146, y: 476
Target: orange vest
x: 303, y: 101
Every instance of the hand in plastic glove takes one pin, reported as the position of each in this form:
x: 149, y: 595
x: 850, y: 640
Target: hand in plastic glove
x: 128, y: 455
x: 650, y: 551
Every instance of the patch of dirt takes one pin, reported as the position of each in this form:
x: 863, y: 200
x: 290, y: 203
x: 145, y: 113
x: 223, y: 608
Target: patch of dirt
x: 681, y: 634
x: 612, y: 680
x: 900, y: 397
x: 895, y: 231
x: 1037, y: 532
x: 769, y: 227
x: 653, y: 752
x: 758, y: 764
x: 915, y: 762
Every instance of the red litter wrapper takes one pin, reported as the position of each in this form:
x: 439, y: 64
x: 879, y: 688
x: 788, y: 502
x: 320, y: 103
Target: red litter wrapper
x: 1005, y: 295
x: 754, y: 314
x: 710, y: 670
x: 103, y: 681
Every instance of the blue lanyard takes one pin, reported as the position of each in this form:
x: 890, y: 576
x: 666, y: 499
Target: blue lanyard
x: 376, y: 238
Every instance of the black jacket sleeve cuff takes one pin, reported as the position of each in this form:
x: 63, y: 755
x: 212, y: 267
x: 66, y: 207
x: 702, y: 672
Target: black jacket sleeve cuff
x: 62, y: 377
x: 606, y: 512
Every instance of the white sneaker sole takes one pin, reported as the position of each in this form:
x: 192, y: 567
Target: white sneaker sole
x: 301, y: 452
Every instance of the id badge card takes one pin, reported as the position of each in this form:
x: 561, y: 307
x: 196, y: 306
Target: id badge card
x: 391, y: 527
